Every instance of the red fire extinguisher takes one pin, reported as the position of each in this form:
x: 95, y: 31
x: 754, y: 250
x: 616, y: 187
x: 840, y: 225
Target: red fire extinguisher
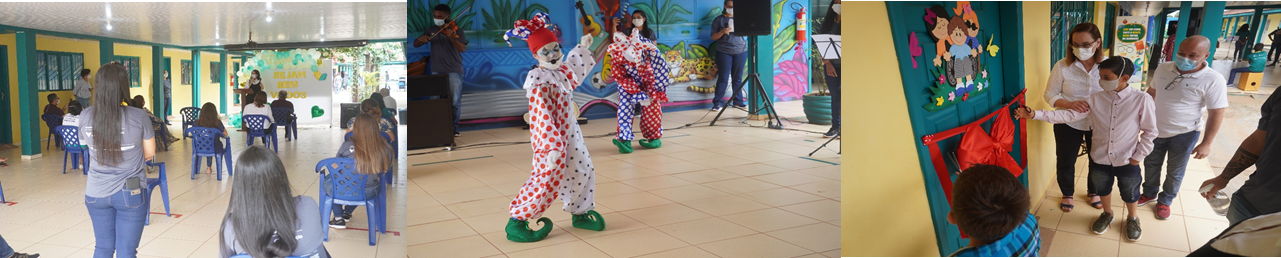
x: 800, y: 25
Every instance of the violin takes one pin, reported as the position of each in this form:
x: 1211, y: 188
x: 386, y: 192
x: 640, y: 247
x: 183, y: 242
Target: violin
x: 450, y: 25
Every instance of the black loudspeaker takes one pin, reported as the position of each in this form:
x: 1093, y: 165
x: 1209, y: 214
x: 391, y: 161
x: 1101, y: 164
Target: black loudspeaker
x: 347, y: 111
x: 430, y: 118
x: 752, y: 18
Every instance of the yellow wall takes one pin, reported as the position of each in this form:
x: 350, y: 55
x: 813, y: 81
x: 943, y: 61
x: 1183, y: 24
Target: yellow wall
x: 209, y: 91
x: 872, y: 185
x: 181, y: 93
x: 44, y: 43
x: 143, y: 53
x: 1274, y: 20
x: 867, y: 230
x: 1036, y: 70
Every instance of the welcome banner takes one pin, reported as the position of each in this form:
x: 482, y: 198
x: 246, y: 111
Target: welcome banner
x: 303, y: 75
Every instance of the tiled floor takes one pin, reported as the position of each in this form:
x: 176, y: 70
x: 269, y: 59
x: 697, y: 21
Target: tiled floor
x: 48, y: 215
x: 1191, y: 224
x: 723, y: 191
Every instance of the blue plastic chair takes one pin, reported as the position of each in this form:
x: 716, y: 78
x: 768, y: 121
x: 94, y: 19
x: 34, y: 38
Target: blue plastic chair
x: 280, y: 115
x: 348, y: 188
x: 189, y: 115
x: 163, y: 182
x: 203, y: 146
x: 52, y: 121
x: 257, y: 127
x: 71, y: 137
x: 2, y: 201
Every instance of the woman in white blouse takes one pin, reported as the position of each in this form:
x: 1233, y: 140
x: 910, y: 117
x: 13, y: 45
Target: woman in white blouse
x: 1073, y: 79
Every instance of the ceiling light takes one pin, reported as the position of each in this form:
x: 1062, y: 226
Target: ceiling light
x: 268, y: 18
x: 108, y: 26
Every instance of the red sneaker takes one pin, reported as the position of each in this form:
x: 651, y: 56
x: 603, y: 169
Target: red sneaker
x: 1144, y: 200
x: 1162, y: 211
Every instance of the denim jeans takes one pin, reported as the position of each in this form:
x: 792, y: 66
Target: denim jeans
x: 117, y: 222
x: 834, y: 84
x: 1232, y: 75
x: 727, y: 79
x: 5, y: 249
x: 84, y: 102
x: 456, y: 90
x: 168, y: 108
x: 1240, y: 210
x: 1178, y: 148
x: 1127, y: 178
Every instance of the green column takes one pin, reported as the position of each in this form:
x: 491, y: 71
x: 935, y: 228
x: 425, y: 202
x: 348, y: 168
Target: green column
x: 222, y: 85
x: 28, y: 95
x: 1213, y: 15
x: 157, y: 79
x: 1185, y: 18
x: 1254, y: 27
x: 106, y: 53
x: 196, y: 67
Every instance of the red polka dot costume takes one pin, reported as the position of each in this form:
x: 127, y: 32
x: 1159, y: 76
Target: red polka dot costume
x: 561, y: 165
x: 641, y: 74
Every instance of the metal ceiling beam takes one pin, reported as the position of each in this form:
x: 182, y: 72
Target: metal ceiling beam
x: 11, y: 29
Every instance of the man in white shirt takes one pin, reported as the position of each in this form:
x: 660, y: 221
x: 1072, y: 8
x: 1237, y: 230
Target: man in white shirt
x: 1183, y: 89
x: 83, y: 90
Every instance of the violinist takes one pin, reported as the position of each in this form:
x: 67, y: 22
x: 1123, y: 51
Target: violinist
x: 446, y: 54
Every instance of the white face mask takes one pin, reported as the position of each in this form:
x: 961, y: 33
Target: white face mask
x: 729, y: 11
x: 836, y: 8
x: 638, y: 22
x: 1084, y: 53
x: 1109, y: 85
x: 439, y: 22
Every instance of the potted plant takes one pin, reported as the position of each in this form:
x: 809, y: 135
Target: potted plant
x: 818, y: 104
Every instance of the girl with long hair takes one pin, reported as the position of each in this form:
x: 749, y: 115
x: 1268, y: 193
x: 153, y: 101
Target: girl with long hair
x: 373, y: 156
x: 264, y: 217
x: 1071, y: 82
x: 120, y: 139
x: 639, y: 20
x: 209, y: 119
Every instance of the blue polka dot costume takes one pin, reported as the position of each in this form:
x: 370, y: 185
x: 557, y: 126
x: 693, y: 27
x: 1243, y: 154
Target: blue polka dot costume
x: 641, y: 74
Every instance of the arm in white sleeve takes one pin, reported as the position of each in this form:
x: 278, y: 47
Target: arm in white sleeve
x: 1059, y: 116
x: 1147, y: 123
x: 1054, y: 87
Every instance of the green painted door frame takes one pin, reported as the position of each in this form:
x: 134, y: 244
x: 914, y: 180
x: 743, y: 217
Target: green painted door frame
x: 1185, y: 17
x: 28, y: 94
x: 6, y: 120
x: 222, y: 83
x: 195, y: 78
x: 157, y: 77
x: 106, y: 53
x: 1210, y: 29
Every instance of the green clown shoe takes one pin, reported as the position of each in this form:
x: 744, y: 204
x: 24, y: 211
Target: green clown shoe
x: 623, y: 146
x: 591, y: 220
x: 518, y: 230
x: 652, y: 144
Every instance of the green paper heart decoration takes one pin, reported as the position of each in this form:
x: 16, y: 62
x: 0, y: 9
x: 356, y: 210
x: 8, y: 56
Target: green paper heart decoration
x: 324, y: 76
x: 317, y: 112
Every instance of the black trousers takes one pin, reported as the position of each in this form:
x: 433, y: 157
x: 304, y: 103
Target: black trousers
x: 1067, y: 144
x: 1275, y: 55
x: 834, y: 84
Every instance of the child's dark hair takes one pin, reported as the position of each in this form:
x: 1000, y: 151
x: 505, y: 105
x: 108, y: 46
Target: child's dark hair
x: 988, y: 202
x: 1118, y: 65
x: 1258, y: 47
x: 74, y: 108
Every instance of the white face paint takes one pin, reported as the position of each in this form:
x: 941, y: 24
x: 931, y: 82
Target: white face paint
x: 549, y: 56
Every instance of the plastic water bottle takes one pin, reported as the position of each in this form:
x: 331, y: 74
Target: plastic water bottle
x: 1219, y: 201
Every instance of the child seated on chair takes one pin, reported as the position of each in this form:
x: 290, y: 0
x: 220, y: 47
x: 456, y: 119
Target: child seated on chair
x: 72, y: 117
x: 1257, y: 60
x: 991, y: 206
x: 52, y: 107
x: 209, y: 119
x: 1123, y: 134
x: 264, y: 217
x: 373, y: 157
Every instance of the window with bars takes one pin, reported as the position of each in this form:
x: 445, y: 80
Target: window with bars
x: 58, y: 71
x: 186, y: 72
x: 132, y: 66
x: 214, y: 69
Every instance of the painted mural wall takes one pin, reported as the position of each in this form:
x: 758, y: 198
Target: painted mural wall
x: 494, y: 72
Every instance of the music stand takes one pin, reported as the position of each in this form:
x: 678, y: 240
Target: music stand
x: 829, y: 46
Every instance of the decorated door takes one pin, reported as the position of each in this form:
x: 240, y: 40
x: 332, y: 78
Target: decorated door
x: 960, y: 62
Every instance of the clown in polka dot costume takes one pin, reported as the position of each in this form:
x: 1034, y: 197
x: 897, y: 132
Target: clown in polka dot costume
x: 561, y: 166
x: 642, y: 79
